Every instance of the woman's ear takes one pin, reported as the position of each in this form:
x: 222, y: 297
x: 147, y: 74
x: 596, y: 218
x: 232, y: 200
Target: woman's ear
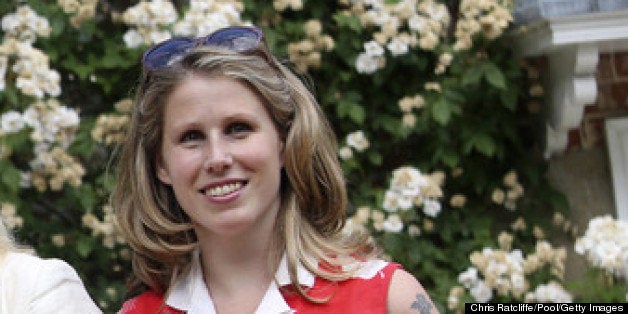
x: 162, y: 173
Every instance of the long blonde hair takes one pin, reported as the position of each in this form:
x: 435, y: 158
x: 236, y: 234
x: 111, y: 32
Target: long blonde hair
x: 314, y: 199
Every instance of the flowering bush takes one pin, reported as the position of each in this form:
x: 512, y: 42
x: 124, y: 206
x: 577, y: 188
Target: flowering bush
x: 605, y: 245
x: 506, y: 275
x: 434, y: 168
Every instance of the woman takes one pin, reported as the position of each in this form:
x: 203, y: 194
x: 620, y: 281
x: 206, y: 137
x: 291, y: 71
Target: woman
x: 29, y: 284
x: 231, y: 195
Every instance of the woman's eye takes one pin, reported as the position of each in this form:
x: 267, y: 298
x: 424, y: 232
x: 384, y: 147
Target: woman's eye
x: 238, y: 128
x: 191, y: 136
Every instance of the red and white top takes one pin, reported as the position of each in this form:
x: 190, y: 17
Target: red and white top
x: 366, y: 292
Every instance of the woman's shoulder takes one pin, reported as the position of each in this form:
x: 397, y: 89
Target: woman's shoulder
x: 400, y: 290
x: 373, y: 267
x: 407, y: 295
x: 147, y: 302
x: 364, y: 292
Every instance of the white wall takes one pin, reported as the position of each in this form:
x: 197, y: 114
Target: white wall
x: 617, y: 139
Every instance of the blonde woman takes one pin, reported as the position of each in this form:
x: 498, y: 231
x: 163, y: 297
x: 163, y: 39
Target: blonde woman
x: 231, y: 195
x: 29, y: 284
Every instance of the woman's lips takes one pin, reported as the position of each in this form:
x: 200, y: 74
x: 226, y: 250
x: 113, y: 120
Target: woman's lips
x: 223, y: 192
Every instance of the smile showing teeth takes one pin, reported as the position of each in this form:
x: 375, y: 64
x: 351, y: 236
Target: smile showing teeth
x: 223, y: 189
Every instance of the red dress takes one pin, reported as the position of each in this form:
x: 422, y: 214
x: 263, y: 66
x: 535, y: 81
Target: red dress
x: 355, y: 295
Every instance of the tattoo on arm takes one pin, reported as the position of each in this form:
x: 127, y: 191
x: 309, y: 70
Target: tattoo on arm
x: 421, y: 304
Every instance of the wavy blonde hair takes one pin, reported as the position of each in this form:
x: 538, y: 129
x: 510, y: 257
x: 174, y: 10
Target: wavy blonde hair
x: 313, y: 194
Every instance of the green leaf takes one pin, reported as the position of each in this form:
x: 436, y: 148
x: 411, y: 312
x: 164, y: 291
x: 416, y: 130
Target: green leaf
x: 11, y: 94
x: 375, y: 158
x: 81, y: 69
x: 87, y: 196
x: 357, y: 114
x: 441, y: 111
x: 348, y: 20
x: 509, y: 99
x: 10, y: 176
x: 484, y: 144
x: 85, y: 246
x: 348, y: 105
x: 450, y: 158
x: 494, y: 75
x: 472, y: 76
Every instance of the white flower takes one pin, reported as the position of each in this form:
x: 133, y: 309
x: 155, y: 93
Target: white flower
x: 10, y: 22
x: 51, y: 83
x: 390, y: 203
x: 25, y: 180
x: 605, y: 254
x: 405, y: 202
x: 438, y: 12
x: 345, y: 152
x: 481, y: 292
x: 445, y: 58
x: 11, y: 122
x: 551, y: 292
x: 408, y: 181
x: 518, y: 282
x: 150, y: 18
x: 4, y: 62
x: 66, y: 117
x: 29, y: 87
x: 469, y: 277
x: 358, y: 141
x: 418, y: 22
x: 159, y: 36
x: 133, y: 38
x: 414, y: 231
x: 373, y: 49
x: 431, y: 207
x: 163, y: 12
x: 428, y: 41
x: 205, y: 17
x: 393, y: 224
x: 515, y: 259
x: 366, y: 64
x: 605, y: 244
x: 25, y: 25
x: 397, y: 46
x: 393, y: 201
x: 496, y: 268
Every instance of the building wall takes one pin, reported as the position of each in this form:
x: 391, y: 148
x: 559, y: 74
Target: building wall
x: 583, y: 171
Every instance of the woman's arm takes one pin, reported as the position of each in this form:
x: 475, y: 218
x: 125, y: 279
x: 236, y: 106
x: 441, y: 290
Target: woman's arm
x: 406, y: 295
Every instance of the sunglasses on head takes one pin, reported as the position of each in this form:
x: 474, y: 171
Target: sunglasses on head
x: 237, y: 38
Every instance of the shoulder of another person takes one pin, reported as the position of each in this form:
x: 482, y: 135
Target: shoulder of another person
x: 44, y: 270
x: 47, y: 285
x: 407, y: 295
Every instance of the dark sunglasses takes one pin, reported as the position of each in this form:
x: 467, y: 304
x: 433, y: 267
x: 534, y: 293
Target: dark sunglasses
x: 237, y: 38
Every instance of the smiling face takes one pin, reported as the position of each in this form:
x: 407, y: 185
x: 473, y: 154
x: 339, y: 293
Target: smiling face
x: 221, y: 154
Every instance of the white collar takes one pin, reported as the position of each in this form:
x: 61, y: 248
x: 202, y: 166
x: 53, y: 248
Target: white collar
x: 190, y: 293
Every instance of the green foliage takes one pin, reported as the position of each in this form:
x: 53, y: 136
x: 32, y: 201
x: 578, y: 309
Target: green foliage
x: 598, y: 286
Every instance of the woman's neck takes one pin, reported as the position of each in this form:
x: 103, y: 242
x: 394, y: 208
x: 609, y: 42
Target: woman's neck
x: 238, y: 271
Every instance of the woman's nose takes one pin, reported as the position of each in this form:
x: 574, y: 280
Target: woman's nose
x: 218, y: 157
